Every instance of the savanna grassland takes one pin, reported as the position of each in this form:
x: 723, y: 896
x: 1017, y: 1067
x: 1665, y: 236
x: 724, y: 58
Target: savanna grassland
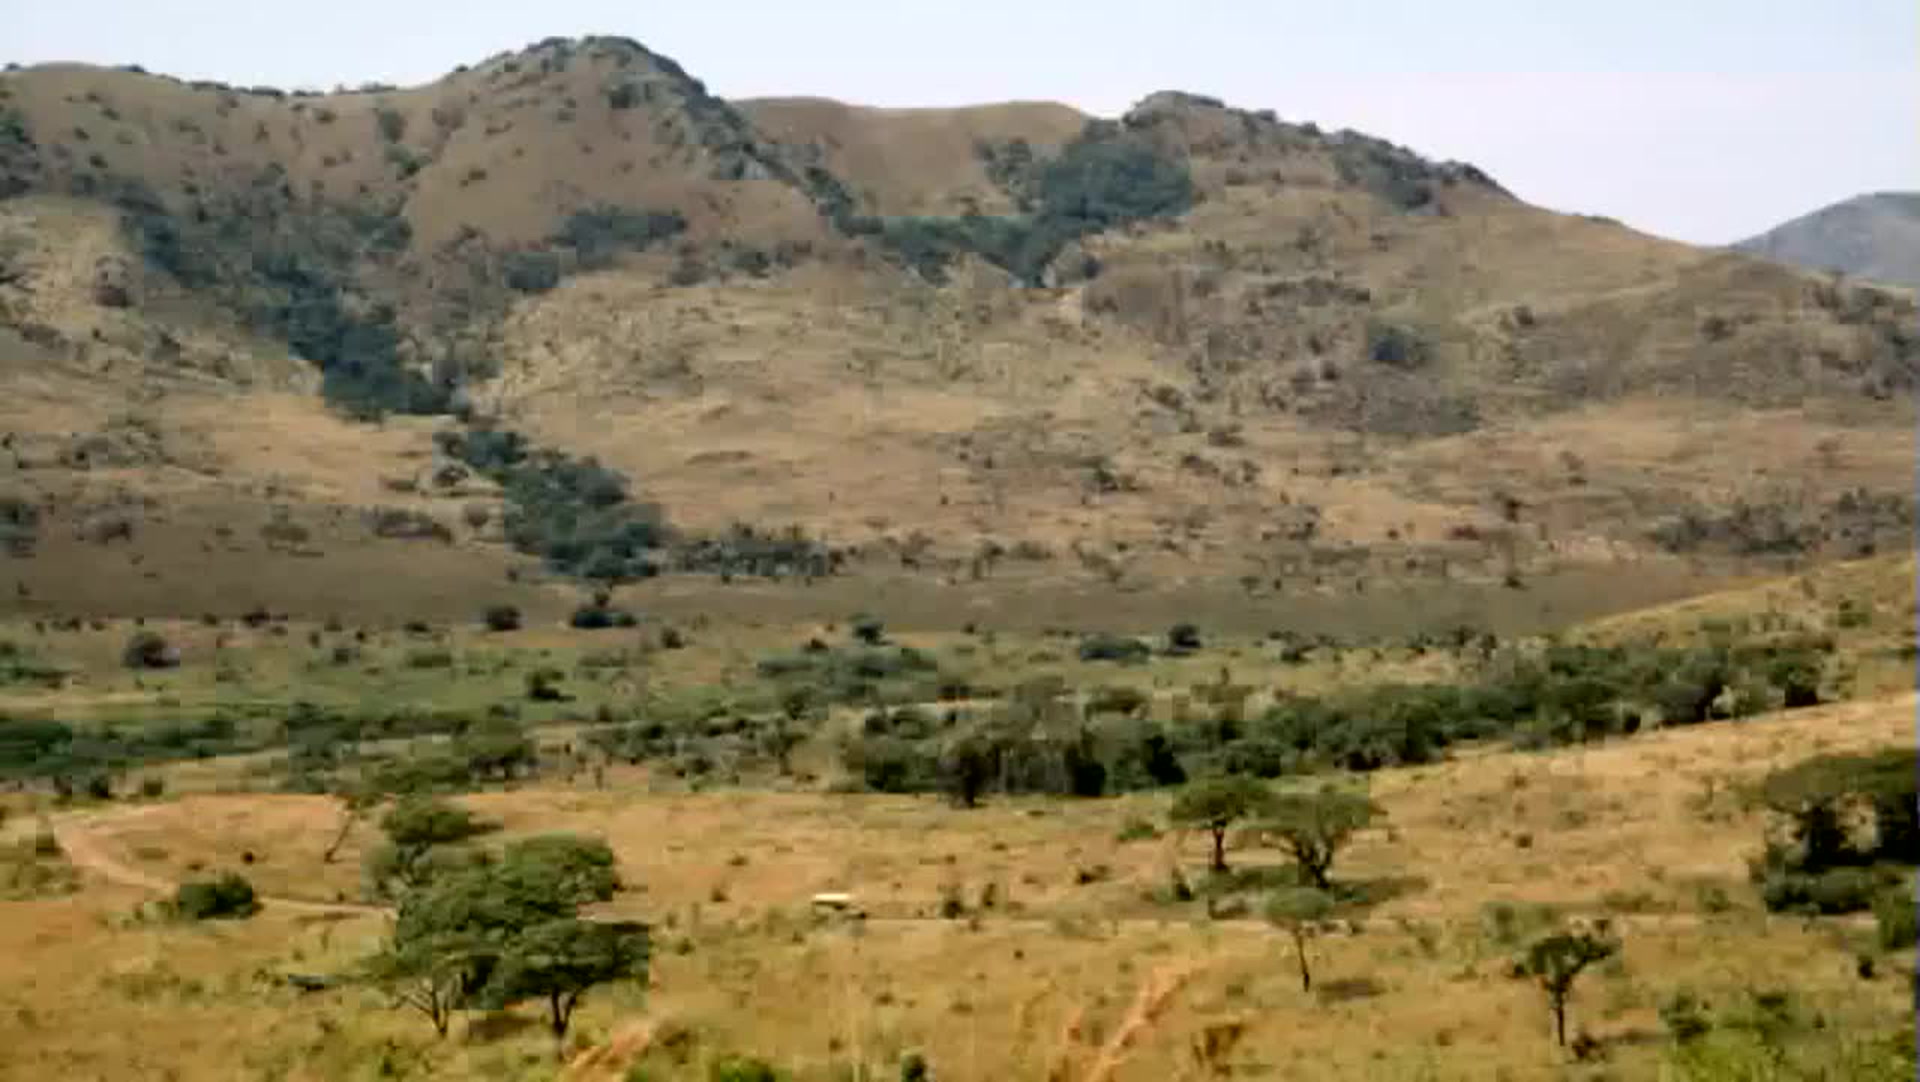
x: 1030, y: 936
x: 551, y: 573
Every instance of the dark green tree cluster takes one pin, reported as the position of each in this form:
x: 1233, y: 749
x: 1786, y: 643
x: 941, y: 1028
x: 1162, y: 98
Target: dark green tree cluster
x: 295, y: 270
x: 1103, y: 179
x: 575, y: 514
x: 596, y: 235
x: 1852, y: 832
x: 1034, y: 742
x: 583, y: 520
x: 71, y: 756
x: 1562, y: 694
x: 856, y: 672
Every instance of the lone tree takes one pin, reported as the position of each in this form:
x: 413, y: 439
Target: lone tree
x: 1217, y: 804
x: 1314, y: 825
x: 1300, y: 911
x: 508, y: 929
x: 1556, y: 960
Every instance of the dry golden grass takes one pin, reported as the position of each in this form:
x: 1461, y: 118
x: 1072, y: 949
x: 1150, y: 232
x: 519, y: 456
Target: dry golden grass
x: 915, y: 161
x: 1643, y: 828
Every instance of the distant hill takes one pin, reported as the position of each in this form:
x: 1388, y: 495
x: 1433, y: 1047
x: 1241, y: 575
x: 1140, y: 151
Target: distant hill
x: 1187, y: 346
x: 1874, y: 236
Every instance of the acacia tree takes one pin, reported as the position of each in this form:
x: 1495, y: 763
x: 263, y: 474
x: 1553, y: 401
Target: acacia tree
x: 1300, y: 911
x: 560, y: 960
x: 426, y: 971
x: 489, y: 933
x: 1313, y: 826
x: 1556, y: 960
x: 1216, y: 804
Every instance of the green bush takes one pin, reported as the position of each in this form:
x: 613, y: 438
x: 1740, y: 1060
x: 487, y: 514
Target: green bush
x: 148, y: 650
x: 1395, y: 346
x: 228, y: 897
x: 1832, y: 891
x: 1183, y: 638
x: 530, y: 272
x: 1102, y: 646
x: 597, y: 617
x: 742, y: 1069
x: 597, y: 234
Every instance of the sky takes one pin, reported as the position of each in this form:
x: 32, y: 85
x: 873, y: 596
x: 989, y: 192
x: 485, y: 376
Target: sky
x: 1702, y: 120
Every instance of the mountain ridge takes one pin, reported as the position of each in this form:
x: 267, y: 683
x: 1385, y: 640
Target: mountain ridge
x: 1190, y: 343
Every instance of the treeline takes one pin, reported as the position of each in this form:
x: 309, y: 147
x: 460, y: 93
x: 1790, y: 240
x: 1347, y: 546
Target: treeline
x: 1040, y: 741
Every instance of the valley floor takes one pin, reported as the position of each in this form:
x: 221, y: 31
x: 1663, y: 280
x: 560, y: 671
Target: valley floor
x: 1075, y: 970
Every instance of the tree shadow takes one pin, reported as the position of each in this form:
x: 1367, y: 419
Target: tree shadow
x: 491, y: 1026
x: 1364, y: 894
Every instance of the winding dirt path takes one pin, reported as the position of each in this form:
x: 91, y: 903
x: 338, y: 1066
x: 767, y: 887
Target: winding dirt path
x: 80, y: 833
x: 78, y: 837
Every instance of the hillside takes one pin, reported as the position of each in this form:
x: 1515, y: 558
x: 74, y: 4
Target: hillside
x: 1874, y: 236
x: 1195, y: 348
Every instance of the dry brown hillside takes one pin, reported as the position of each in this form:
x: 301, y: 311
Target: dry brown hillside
x: 1196, y: 348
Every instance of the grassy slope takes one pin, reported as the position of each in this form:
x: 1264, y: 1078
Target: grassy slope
x: 1217, y: 369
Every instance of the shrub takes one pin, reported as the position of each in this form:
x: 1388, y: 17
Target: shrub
x: 1394, y: 346
x: 148, y: 650
x: 869, y: 629
x: 543, y: 686
x: 1835, y: 890
x: 1183, y: 638
x: 392, y: 124
x: 742, y: 1069
x: 407, y: 524
x: 599, y: 617
x: 1118, y: 648
x: 530, y: 272
x: 224, y: 898
x: 501, y: 618
x: 1685, y: 1017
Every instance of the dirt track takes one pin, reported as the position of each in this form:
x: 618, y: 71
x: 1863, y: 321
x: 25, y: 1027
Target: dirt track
x: 77, y: 838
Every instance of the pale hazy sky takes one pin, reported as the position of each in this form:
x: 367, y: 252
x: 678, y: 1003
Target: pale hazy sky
x: 1704, y: 120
